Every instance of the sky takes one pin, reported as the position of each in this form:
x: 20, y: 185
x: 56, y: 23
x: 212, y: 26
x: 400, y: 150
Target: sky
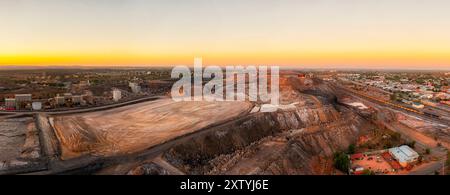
x: 303, y: 33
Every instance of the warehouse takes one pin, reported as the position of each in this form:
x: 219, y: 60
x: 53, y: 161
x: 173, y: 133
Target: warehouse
x: 404, y: 155
x: 22, y: 100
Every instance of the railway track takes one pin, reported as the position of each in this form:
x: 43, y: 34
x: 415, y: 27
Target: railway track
x: 395, y: 106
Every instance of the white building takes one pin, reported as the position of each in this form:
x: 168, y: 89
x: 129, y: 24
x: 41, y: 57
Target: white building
x: 404, y: 155
x: 418, y: 105
x: 135, y: 88
x: 117, y: 95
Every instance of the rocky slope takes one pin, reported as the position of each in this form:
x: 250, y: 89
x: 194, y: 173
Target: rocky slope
x: 290, y: 142
x: 294, y: 141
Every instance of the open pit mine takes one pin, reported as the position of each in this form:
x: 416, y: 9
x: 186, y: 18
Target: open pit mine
x: 163, y: 137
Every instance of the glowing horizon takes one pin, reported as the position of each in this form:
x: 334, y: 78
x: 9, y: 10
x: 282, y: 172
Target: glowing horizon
x: 324, y: 34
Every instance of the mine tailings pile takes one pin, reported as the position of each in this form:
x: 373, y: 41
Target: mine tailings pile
x: 300, y: 137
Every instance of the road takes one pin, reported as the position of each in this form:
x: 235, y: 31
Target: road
x: 88, y: 163
x: 428, y: 169
x: 81, y: 110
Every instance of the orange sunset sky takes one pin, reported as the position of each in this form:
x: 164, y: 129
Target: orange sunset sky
x: 303, y: 33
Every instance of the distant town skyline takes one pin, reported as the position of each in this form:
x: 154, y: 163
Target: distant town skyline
x: 410, y: 34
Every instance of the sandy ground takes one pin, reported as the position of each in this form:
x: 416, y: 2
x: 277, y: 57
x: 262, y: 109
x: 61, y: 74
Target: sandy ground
x: 136, y: 127
x: 374, y: 164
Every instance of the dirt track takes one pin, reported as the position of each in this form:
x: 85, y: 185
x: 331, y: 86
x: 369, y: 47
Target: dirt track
x: 139, y: 126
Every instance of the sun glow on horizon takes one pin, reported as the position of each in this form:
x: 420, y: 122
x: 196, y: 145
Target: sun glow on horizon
x: 403, y: 34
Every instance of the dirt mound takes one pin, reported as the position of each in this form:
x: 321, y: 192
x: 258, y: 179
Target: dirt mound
x: 290, y: 142
x: 294, y: 141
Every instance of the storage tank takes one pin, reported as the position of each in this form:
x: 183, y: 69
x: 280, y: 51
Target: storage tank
x: 36, y: 105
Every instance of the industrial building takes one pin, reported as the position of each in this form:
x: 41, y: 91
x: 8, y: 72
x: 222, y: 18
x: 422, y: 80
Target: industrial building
x: 404, y: 155
x: 10, y: 103
x: 22, y: 99
x: 67, y: 96
x: 77, y: 99
x: 59, y: 100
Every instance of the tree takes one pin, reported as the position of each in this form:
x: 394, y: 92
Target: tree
x: 447, y: 162
x: 341, y: 161
x: 351, y: 149
x: 393, y: 97
x: 396, y: 136
x: 420, y: 81
x: 388, y: 144
x: 427, y: 151
x: 411, y: 144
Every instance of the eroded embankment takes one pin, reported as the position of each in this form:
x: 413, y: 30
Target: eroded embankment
x: 286, y: 142
x: 20, y: 147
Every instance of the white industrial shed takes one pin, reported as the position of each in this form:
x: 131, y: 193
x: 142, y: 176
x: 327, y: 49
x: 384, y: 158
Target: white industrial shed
x: 404, y: 155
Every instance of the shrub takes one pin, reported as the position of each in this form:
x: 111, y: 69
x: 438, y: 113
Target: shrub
x: 411, y: 144
x: 341, y: 161
x: 351, y: 149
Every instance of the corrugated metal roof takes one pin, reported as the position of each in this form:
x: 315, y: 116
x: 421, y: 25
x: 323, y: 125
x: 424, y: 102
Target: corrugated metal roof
x: 404, y: 153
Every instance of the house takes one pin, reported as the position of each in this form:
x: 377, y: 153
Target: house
x: 358, y: 156
x: 358, y: 171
